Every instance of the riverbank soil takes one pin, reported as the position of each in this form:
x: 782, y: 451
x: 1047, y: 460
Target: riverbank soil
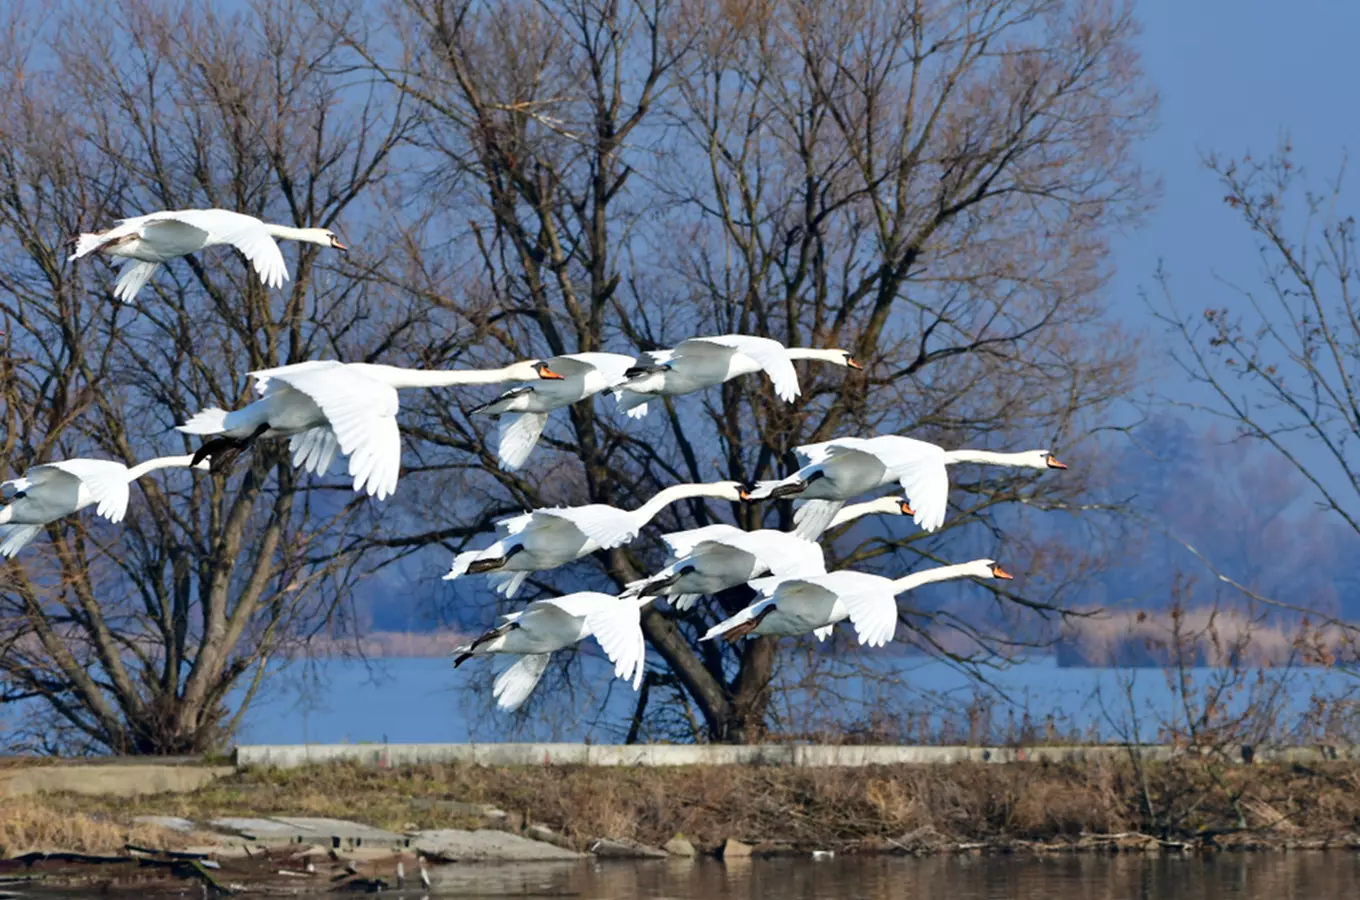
x: 1190, y: 805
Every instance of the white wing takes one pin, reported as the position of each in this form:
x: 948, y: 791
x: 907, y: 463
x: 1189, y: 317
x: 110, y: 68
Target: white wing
x: 770, y: 355
x: 869, y: 601
x: 518, y: 434
x: 106, y: 481
x: 243, y: 232
x: 314, y: 449
x: 927, y: 487
x: 785, y: 555
x: 363, y: 414
x: 606, y: 525
x: 262, y: 376
x: 13, y: 538
x: 617, y: 629
x: 514, y: 524
x: 515, y: 684
x: 682, y: 543
x: 812, y: 517
x: 132, y: 277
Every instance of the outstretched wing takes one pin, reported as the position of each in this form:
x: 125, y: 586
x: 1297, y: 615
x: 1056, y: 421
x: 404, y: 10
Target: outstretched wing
x: 243, y: 232
x: 519, y: 433
x: 617, y: 628
x: 927, y: 486
x: 682, y: 543
x: 106, y: 481
x: 14, y: 538
x: 515, y: 684
x: 813, y: 517
x: 314, y: 449
x: 785, y: 555
x: 606, y: 525
x: 363, y: 414
x: 869, y: 600
x: 770, y: 355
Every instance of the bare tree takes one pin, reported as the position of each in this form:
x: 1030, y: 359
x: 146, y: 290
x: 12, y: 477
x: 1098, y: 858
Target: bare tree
x: 133, y: 636
x: 930, y: 185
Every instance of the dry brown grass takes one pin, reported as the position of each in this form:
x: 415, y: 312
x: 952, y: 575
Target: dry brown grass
x: 29, y: 823
x: 811, y: 807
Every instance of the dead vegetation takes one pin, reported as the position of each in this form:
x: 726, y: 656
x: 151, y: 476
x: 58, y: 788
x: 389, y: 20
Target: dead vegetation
x: 1089, y: 805
x: 30, y: 824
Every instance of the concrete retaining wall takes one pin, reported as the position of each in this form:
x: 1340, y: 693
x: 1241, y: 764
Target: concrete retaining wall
x: 118, y: 779
x: 293, y: 755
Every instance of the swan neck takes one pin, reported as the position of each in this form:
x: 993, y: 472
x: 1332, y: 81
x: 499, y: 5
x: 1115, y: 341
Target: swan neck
x: 288, y: 232
x: 985, y: 456
x: 163, y: 462
x: 647, y: 511
x: 816, y: 353
x: 930, y: 576
x: 860, y: 510
x: 397, y: 377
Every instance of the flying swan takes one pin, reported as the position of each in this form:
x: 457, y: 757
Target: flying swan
x: 327, y: 407
x: 49, y: 492
x: 546, y: 626
x: 547, y: 538
x: 524, y: 410
x: 145, y: 242
x: 815, y: 603
x: 835, y: 471
x: 716, y: 557
x: 704, y: 362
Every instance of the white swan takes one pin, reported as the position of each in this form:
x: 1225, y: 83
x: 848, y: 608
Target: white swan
x: 704, y: 362
x: 145, y: 242
x: 717, y: 557
x: 546, y: 626
x: 328, y: 407
x: 524, y: 410
x: 547, y: 538
x: 815, y: 603
x: 52, y: 491
x: 835, y: 471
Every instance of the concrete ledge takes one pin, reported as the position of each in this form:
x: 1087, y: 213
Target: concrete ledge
x: 119, y: 780
x: 807, y: 755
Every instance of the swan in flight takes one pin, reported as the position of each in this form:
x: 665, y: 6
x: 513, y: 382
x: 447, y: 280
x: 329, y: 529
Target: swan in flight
x: 717, y: 557
x: 704, y: 362
x: 55, y: 490
x: 326, y: 407
x: 524, y: 410
x: 815, y: 603
x: 835, y: 471
x: 546, y: 626
x: 145, y: 242
x: 547, y: 538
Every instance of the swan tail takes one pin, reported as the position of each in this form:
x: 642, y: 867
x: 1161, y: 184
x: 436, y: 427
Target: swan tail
x: 632, y: 404
x: 824, y: 632
x: 134, y: 276
x: 515, y: 684
x: 14, y: 538
x: 813, y: 517
x: 84, y: 244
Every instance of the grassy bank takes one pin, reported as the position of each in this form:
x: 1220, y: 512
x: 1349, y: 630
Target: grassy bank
x: 1193, y: 804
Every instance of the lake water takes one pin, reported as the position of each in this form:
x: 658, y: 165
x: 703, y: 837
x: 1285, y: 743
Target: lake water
x: 424, y: 700
x: 1261, y: 876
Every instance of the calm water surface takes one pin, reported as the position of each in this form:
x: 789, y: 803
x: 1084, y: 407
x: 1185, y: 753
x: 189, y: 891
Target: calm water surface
x: 1262, y: 876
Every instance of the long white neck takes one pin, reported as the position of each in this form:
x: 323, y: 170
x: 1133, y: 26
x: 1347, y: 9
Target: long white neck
x: 647, y: 511
x: 880, y: 506
x: 289, y: 233
x: 162, y: 462
x: 397, y: 377
x: 831, y: 356
x: 989, y: 457
x: 929, y: 576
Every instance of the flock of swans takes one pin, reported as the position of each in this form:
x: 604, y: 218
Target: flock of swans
x: 328, y: 408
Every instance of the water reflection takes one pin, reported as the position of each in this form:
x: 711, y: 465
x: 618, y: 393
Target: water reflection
x: 1263, y: 876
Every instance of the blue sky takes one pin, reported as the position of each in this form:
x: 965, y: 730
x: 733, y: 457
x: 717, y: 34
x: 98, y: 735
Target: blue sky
x: 1233, y: 76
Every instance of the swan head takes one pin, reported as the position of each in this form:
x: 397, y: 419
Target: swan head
x: 532, y: 370
x: 1038, y: 459
x: 987, y: 568
x: 731, y: 490
x: 323, y: 236
x: 850, y: 361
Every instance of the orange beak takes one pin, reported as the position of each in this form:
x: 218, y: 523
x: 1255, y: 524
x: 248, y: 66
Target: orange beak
x: 744, y: 495
x: 853, y: 363
x: 1054, y: 464
x: 335, y: 243
x: 907, y: 510
x: 999, y: 572
x: 545, y: 372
